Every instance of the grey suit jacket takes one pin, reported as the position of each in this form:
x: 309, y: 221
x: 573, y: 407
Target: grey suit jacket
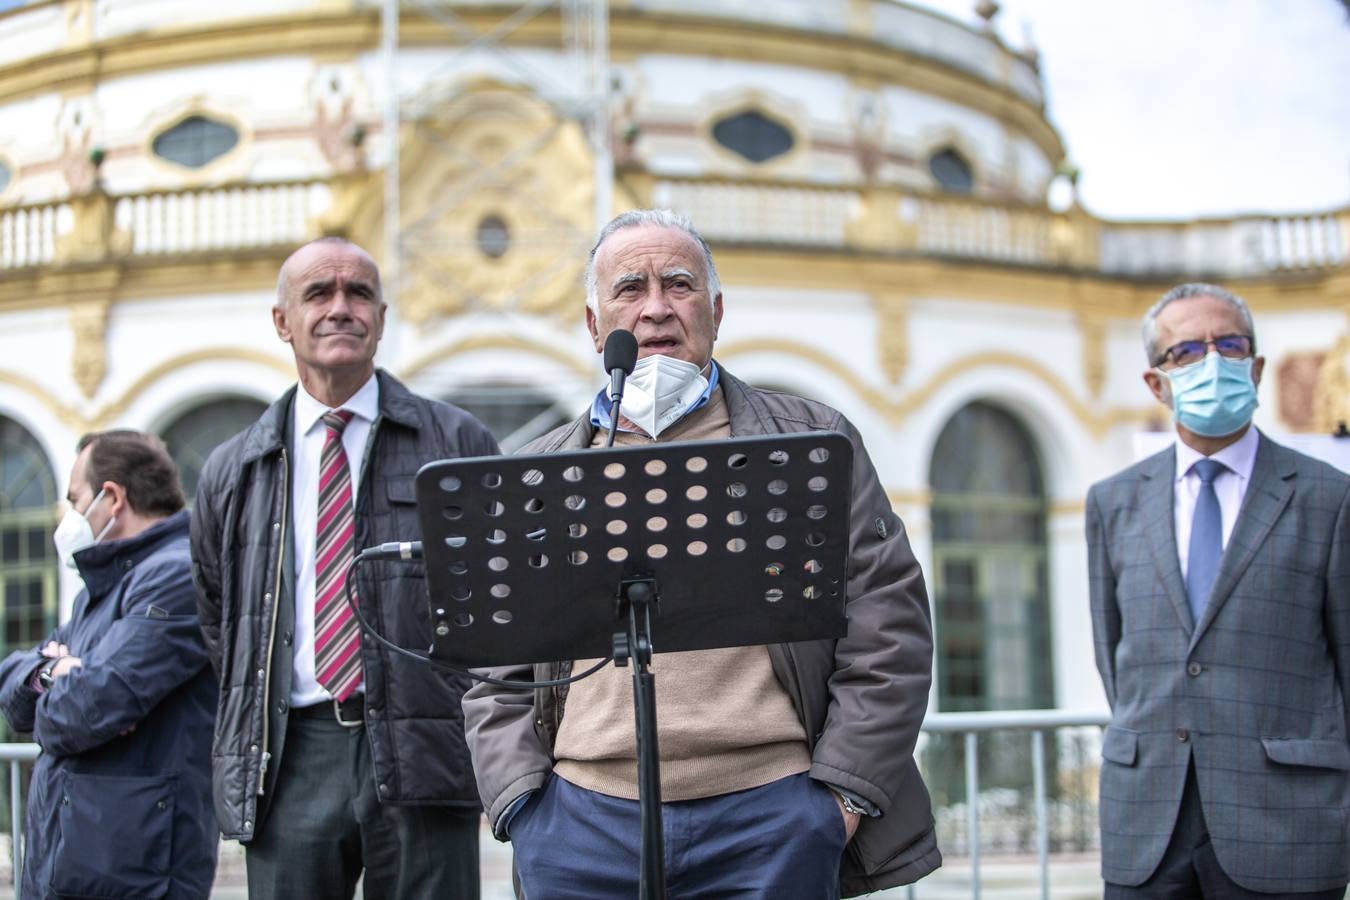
x: 1254, y: 693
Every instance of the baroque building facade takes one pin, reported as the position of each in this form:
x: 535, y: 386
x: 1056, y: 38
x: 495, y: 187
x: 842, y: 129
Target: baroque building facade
x: 873, y: 178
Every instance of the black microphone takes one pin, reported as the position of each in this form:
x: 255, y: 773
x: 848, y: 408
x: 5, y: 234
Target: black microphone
x: 620, y: 358
x: 393, y: 550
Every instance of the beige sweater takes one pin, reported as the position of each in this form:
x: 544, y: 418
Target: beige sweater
x: 724, y: 723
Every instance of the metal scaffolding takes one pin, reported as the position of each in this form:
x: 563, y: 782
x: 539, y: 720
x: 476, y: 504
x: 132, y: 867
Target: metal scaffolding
x: 580, y: 96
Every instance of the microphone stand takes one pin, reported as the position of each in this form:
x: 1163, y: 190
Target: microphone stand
x: 636, y: 597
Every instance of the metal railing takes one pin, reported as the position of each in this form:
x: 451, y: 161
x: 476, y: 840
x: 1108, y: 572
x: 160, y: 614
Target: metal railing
x: 16, y: 755
x: 1036, y: 723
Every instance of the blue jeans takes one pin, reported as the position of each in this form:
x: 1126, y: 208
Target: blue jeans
x: 782, y: 840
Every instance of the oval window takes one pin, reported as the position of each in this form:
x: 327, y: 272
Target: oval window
x: 951, y: 171
x: 494, y: 238
x: 196, y: 141
x: 752, y: 135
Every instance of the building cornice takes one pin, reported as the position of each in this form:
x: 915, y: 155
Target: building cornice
x: 347, y: 33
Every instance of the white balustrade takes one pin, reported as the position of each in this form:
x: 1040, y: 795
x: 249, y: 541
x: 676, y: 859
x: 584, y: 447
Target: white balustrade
x: 225, y: 218
x: 28, y: 234
x: 760, y: 213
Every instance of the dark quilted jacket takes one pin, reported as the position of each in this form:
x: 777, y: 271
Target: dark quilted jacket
x: 241, y: 548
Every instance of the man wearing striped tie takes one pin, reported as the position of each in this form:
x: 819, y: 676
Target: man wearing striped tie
x: 332, y: 757
x: 1220, y: 588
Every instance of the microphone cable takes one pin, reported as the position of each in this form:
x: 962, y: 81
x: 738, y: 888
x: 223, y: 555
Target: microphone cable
x: 427, y: 658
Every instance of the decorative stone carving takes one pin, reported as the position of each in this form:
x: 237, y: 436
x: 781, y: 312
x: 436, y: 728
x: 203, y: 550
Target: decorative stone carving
x: 1092, y: 327
x: 893, y: 336
x: 868, y: 122
x: 94, y: 236
x: 89, y: 324
x: 494, y: 152
x: 79, y: 15
x: 1331, y: 390
x: 79, y: 159
x: 340, y: 136
x: 879, y: 224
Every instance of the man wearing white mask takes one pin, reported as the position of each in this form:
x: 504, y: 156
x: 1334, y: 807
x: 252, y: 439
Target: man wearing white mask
x: 121, y: 698
x: 786, y: 771
x: 1220, y: 589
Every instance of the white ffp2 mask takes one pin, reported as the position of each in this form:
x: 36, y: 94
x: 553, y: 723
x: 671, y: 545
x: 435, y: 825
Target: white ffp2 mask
x: 74, y: 533
x: 660, y: 391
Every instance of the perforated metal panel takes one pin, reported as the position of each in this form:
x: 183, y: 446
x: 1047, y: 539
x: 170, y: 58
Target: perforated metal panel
x: 747, y: 541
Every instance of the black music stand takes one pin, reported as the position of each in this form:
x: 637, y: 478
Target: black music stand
x: 664, y: 547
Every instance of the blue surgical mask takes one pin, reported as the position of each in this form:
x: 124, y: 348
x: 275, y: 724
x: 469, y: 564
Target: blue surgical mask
x: 1214, y: 397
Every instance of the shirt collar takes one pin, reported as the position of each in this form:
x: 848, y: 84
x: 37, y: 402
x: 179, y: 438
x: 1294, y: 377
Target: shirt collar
x: 600, y: 407
x: 1239, y: 457
x: 365, y: 403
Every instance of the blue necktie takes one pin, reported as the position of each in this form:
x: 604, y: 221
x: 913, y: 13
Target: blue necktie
x: 1202, y: 561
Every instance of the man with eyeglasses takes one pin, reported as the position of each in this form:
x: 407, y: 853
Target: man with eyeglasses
x: 1220, y: 589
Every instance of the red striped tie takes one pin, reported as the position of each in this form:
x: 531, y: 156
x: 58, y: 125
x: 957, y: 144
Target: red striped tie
x: 337, y: 640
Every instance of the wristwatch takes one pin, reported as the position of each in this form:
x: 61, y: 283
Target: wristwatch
x: 45, y: 677
x: 851, y: 805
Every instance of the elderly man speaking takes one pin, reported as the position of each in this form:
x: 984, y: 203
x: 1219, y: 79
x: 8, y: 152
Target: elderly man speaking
x: 787, y: 771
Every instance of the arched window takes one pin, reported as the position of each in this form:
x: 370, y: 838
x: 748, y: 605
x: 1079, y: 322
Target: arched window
x: 991, y: 606
x: 515, y: 415
x: 5, y: 176
x: 753, y: 135
x: 28, y: 516
x: 196, y: 141
x: 951, y: 171
x: 989, y: 565
x: 193, y: 435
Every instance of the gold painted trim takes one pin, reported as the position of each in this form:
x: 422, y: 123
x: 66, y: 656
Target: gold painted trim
x: 922, y: 498
x: 1068, y: 507
x: 110, y: 411
x: 66, y: 414
x: 479, y: 342
x: 107, y: 415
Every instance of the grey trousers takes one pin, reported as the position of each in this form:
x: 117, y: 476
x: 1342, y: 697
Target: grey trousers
x: 326, y: 824
x: 1189, y: 869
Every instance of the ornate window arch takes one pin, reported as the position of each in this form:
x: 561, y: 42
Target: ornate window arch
x: 195, y: 433
x: 28, y: 561
x: 990, y: 575
x: 513, y: 413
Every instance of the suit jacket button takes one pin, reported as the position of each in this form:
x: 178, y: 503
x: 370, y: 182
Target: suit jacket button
x: 1183, y: 735
x: 1194, y: 669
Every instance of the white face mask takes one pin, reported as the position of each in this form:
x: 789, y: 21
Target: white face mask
x: 660, y: 391
x: 75, y: 533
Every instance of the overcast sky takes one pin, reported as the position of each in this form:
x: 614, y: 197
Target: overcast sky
x: 1182, y: 108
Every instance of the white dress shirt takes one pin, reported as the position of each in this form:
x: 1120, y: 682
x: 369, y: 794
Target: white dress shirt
x: 1230, y: 485
x: 307, y: 445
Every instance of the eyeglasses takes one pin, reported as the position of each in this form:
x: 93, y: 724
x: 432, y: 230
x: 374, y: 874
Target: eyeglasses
x: 1185, y: 353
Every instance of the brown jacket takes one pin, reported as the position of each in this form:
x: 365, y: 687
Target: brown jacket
x: 861, y: 698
